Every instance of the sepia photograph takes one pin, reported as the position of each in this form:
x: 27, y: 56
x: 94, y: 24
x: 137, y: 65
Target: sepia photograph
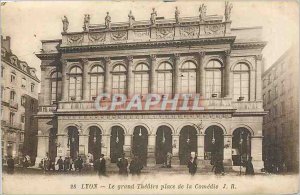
x: 150, y: 97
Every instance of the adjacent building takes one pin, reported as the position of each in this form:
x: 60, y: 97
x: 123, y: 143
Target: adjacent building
x: 281, y: 124
x: 19, y: 93
x: 196, y: 55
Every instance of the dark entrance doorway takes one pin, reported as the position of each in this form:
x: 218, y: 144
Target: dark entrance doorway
x: 73, y: 141
x: 213, y: 143
x: 140, y: 143
x: 95, y: 142
x: 187, y: 143
x: 241, y: 146
x: 52, y: 144
x: 116, y: 143
x: 163, y: 143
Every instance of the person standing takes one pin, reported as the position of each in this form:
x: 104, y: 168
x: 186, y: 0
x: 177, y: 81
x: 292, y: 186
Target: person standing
x: 169, y: 159
x: 218, y: 167
x: 10, y: 165
x: 123, y: 164
x: 66, y: 164
x: 60, y: 164
x: 79, y: 163
x: 192, y: 165
x: 135, y: 166
x: 102, y: 166
x: 249, y: 167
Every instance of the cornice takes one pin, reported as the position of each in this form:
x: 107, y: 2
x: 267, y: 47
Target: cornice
x: 249, y: 45
x: 48, y: 56
x: 145, y: 45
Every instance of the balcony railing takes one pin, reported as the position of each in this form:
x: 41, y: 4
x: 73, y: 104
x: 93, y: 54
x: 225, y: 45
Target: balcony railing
x: 47, y: 108
x: 13, y: 104
x: 248, y: 106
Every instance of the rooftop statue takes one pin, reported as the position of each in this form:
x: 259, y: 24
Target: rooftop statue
x: 131, y: 19
x: 86, y: 22
x: 107, y: 20
x: 228, y: 7
x: 202, y: 10
x: 177, y: 13
x: 153, y: 16
x: 65, y: 24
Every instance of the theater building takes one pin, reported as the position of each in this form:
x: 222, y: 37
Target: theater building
x: 195, y: 55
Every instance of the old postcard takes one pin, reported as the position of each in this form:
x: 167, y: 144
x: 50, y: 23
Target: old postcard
x: 150, y: 97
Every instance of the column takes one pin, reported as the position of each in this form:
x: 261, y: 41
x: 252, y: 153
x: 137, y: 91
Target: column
x: 227, y: 150
x: 65, y: 80
x: 127, y: 145
x: 42, y: 91
x: 175, y: 150
x: 47, y: 95
x: 151, y: 150
x: 259, y: 70
x: 107, y: 82
x: 83, y: 144
x: 130, y: 79
x: 256, y: 152
x: 153, y: 76
x: 176, y: 73
x: 252, y: 85
x: 105, y: 145
x: 200, y: 144
x: 85, y: 79
x: 227, y: 84
x: 42, y: 148
x: 200, y: 74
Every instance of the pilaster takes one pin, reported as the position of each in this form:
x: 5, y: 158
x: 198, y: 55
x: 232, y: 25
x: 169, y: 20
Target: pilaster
x: 176, y: 73
x: 259, y: 70
x: 200, y: 141
x: 256, y: 152
x: 151, y: 150
x: 127, y: 145
x: 65, y: 81
x: 227, y: 150
x: 175, y: 150
x: 227, y: 79
x: 200, y: 74
x: 85, y: 79
x: 153, y: 80
x: 130, y: 79
x: 107, y: 82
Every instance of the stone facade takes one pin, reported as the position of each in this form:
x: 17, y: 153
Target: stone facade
x: 208, y: 48
x: 19, y: 93
x: 281, y: 100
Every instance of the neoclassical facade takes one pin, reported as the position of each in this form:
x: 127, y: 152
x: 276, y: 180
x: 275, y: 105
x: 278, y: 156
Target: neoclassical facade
x: 161, y: 56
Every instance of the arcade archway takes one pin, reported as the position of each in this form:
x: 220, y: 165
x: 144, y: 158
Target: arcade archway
x: 187, y: 143
x: 213, y: 143
x: 241, y: 146
x: 116, y: 143
x: 163, y: 143
x: 140, y: 143
x: 73, y: 141
x: 95, y: 137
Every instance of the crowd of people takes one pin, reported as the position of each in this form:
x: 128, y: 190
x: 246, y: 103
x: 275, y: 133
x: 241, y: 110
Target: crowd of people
x: 134, y: 167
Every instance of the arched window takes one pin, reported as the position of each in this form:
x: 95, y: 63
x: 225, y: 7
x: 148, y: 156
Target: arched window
x: 241, y: 82
x: 23, y: 84
x: 97, y: 81
x: 119, y: 79
x: 213, y: 78
x: 164, y: 78
x: 188, y: 77
x: 141, y: 79
x: 56, y: 86
x: 75, y: 83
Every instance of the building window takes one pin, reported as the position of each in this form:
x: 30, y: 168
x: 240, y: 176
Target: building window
x: 32, y: 87
x: 188, y: 77
x: 12, y: 78
x: 97, y: 81
x: 141, y: 79
x: 164, y: 78
x: 119, y: 79
x: 282, y: 87
x: 23, y: 84
x: 275, y: 92
x: 56, y: 86
x: 75, y: 83
x: 12, y: 95
x: 282, y: 108
x: 2, y: 71
x: 213, y: 78
x: 241, y: 82
x: 11, y: 118
x: 23, y: 118
x: 23, y: 100
x: 269, y: 96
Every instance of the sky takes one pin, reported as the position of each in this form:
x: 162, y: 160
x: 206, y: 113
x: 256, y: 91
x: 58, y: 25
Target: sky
x: 27, y: 23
